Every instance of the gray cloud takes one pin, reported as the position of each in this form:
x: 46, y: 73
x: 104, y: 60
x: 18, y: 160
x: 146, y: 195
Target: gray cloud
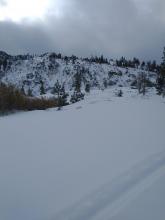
x: 2, y: 2
x: 86, y: 27
x: 17, y: 38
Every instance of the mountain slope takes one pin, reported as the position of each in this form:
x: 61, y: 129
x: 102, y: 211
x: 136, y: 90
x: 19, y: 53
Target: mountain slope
x: 29, y: 72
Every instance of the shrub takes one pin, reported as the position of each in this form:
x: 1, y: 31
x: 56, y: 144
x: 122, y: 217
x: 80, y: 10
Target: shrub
x: 76, y: 97
x: 12, y: 99
x: 119, y: 93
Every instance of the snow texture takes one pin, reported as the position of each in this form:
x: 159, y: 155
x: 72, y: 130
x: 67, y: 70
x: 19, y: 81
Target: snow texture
x: 100, y: 159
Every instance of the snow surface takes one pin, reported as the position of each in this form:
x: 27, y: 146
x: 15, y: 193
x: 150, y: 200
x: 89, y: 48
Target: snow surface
x: 99, y: 159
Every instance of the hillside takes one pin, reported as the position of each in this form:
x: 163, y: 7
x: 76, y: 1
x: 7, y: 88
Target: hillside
x: 30, y: 72
x: 100, y: 158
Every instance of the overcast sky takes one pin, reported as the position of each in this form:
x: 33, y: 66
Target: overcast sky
x: 84, y: 27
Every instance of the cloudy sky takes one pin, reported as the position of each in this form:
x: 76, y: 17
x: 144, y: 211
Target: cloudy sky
x: 84, y: 27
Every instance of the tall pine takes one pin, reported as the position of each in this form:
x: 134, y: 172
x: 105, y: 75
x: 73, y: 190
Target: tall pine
x: 77, y: 95
x: 59, y: 91
x: 161, y: 77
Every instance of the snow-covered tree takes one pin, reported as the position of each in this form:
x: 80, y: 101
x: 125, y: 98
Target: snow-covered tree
x: 61, y: 95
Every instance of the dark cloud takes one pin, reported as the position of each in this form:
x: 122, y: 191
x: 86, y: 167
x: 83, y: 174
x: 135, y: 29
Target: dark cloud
x: 86, y: 27
x: 16, y: 38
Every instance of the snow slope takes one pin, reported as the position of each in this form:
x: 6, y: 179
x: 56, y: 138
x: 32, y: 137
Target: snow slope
x: 29, y: 71
x: 102, y: 158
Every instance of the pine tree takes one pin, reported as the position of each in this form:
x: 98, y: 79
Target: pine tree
x: 105, y: 83
x: 77, y: 83
x: 42, y: 89
x: 143, y: 65
x: 154, y: 66
x: 77, y: 95
x: 22, y: 90
x: 56, y: 89
x: 161, y: 77
x: 87, y: 88
x: 29, y: 92
x: 120, y: 93
x: 59, y: 91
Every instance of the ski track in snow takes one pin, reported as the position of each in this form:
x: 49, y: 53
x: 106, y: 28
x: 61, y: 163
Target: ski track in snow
x: 114, y: 194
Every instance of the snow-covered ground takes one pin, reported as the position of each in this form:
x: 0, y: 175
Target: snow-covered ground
x: 99, y: 159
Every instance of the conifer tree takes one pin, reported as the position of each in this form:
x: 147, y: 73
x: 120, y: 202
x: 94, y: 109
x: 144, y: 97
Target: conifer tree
x: 59, y: 91
x: 29, y: 92
x: 22, y: 90
x: 87, y: 88
x: 143, y: 65
x: 120, y: 93
x: 77, y: 83
x: 77, y: 95
x: 161, y: 77
x: 42, y: 89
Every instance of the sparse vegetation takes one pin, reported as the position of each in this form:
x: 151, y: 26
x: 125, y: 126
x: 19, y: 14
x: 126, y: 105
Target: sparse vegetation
x: 12, y: 99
